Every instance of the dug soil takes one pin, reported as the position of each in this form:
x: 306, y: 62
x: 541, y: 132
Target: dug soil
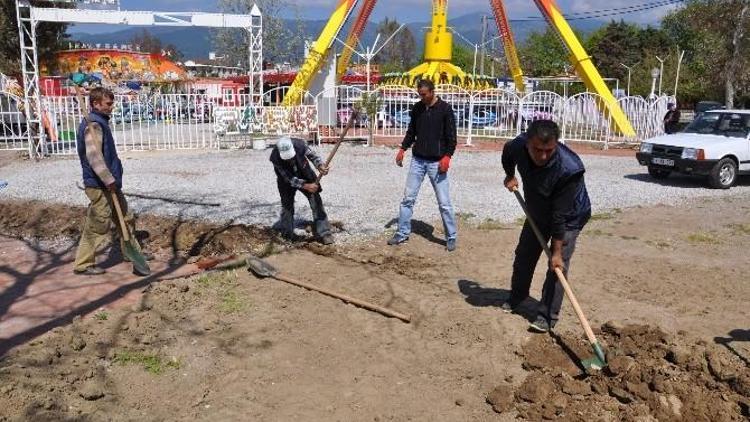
x: 666, y: 285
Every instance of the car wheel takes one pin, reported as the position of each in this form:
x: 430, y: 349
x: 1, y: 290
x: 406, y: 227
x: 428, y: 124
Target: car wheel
x: 657, y: 173
x: 724, y: 174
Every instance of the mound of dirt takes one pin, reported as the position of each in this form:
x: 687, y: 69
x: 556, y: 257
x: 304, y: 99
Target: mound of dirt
x: 650, y: 376
x: 162, y: 235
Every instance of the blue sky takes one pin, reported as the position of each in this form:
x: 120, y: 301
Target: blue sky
x: 405, y: 10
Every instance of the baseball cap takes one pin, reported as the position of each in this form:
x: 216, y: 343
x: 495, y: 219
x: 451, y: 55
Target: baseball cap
x: 286, y: 148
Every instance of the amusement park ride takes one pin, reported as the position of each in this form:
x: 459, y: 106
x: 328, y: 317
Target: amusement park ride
x: 438, y: 42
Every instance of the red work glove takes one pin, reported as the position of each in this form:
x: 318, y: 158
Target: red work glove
x: 400, y: 157
x: 444, y: 164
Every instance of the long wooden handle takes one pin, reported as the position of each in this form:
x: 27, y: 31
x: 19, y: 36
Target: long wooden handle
x: 118, y: 211
x: 349, y: 125
x: 576, y: 306
x: 560, y: 275
x: 345, y: 298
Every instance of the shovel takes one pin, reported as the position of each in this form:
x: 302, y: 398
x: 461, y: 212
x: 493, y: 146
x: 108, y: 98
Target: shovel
x: 262, y: 269
x: 599, y: 360
x: 349, y: 124
x: 130, y: 251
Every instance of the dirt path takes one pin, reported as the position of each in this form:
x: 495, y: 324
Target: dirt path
x: 233, y: 347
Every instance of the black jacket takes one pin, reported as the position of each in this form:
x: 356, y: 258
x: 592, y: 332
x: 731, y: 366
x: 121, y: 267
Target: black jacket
x: 556, y: 193
x: 297, y: 171
x: 432, y: 131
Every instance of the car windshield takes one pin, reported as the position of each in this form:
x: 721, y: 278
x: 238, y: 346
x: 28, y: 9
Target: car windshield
x: 734, y: 125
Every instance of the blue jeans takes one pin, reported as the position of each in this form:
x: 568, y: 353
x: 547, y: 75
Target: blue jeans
x: 418, y: 169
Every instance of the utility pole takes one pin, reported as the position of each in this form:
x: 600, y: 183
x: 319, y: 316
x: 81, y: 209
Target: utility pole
x: 482, y: 43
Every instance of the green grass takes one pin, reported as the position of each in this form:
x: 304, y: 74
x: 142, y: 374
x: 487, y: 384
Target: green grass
x: 704, y: 237
x: 153, y: 364
x: 223, y: 286
x: 465, y: 217
x: 231, y: 302
x: 740, y: 229
x: 490, y: 224
x: 101, y: 316
x: 661, y: 244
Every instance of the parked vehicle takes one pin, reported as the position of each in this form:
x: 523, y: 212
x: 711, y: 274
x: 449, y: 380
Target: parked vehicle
x: 716, y: 144
x: 702, y: 106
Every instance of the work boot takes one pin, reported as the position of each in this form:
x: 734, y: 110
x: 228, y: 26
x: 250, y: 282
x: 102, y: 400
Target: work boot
x: 508, y: 307
x: 540, y: 325
x: 92, y: 270
x: 450, y: 245
x: 397, y: 239
x: 327, y: 240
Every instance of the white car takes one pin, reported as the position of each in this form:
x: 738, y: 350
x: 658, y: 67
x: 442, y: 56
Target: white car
x: 716, y: 144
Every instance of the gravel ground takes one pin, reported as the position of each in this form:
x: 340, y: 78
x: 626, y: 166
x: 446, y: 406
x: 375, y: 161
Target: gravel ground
x: 363, y: 190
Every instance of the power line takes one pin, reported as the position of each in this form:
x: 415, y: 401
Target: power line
x: 593, y: 14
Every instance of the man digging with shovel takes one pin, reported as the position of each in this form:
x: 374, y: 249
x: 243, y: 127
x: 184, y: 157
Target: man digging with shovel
x: 294, y: 173
x: 102, y: 179
x: 557, y: 201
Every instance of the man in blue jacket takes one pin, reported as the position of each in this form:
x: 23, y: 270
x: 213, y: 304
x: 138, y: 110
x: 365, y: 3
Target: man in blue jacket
x: 102, y: 175
x: 558, y: 202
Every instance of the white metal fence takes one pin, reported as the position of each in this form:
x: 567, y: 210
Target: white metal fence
x: 195, y: 121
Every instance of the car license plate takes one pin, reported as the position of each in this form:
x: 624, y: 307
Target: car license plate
x: 663, y: 161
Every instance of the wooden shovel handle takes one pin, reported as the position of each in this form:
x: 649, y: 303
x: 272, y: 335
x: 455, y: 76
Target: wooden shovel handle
x: 349, y: 125
x: 345, y: 298
x: 118, y: 211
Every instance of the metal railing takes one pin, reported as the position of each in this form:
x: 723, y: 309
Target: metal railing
x: 197, y: 121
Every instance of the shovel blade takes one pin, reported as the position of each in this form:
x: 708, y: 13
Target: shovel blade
x: 597, y: 362
x: 260, y: 268
x: 140, y: 266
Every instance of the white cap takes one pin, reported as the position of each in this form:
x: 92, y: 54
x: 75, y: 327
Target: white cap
x: 286, y: 148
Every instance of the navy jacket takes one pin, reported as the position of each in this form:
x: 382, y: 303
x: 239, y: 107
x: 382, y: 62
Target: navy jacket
x: 109, y: 151
x: 555, y: 193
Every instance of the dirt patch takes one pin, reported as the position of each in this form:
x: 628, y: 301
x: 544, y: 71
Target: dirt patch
x: 169, y: 237
x: 650, y: 374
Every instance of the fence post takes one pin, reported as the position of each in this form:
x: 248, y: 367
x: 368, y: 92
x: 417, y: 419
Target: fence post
x: 471, y: 120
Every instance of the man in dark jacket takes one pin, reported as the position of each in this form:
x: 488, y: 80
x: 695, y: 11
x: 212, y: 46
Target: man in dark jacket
x: 293, y: 173
x: 102, y: 175
x: 672, y: 119
x: 558, y: 203
x: 432, y: 133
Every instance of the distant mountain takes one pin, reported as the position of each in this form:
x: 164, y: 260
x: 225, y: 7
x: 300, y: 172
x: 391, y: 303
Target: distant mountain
x: 195, y: 43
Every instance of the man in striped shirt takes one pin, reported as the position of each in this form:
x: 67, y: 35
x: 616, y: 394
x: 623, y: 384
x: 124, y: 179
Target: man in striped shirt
x: 102, y: 174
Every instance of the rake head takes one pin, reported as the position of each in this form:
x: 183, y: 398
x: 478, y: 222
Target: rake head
x: 260, y: 268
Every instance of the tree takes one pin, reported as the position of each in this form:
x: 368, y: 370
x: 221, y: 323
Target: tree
x: 543, y: 54
x: 462, y: 57
x: 50, y: 38
x: 147, y: 42
x: 399, y: 54
x: 714, y: 37
x: 279, y: 42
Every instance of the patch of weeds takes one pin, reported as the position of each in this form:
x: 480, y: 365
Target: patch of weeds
x: 101, y: 315
x: 270, y: 248
x: 520, y: 221
x: 624, y: 237
x: 602, y: 216
x: 599, y: 232
x: 231, y: 302
x: 465, y: 217
x: 151, y: 363
x: 490, y: 224
x: 704, y: 237
x: 661, y: 244
x: 739, y: 229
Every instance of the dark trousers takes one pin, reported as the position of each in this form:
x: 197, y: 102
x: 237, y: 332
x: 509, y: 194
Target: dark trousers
x: 528, y: 252
x: 286, y: 221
